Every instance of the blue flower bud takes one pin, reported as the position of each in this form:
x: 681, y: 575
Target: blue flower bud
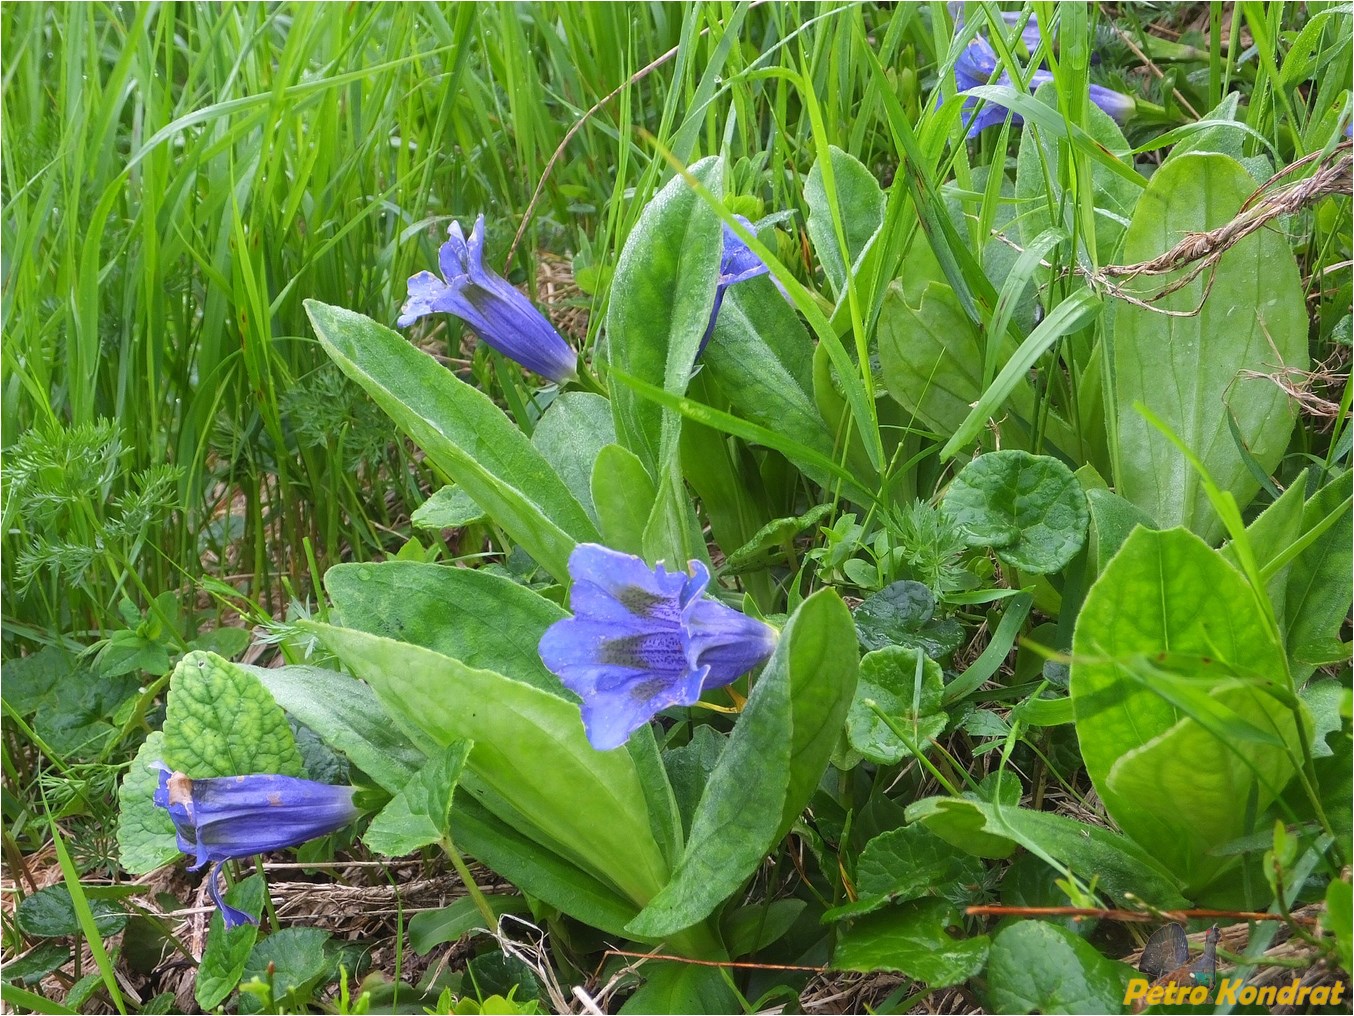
x: 494, y: 309
x: 226, y: 817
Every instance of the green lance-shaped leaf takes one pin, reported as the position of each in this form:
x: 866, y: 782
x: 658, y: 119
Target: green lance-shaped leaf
x: 464, y: 434
x: 530, y: 752
x: 770, y: 767
x: 1191, y: 370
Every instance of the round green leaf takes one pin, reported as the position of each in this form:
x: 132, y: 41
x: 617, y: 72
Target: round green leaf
x: 1039, y: 967
x: 907, y: 685
x: 1029, y: 508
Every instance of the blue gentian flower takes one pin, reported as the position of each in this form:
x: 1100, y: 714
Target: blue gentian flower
x: 978, y: 63
x: 227, y: 817
x: 737, y: 263
x: 492, y: 307
x: 642, y: 640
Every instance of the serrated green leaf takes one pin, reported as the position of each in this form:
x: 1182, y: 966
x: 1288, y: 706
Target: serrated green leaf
x: 1037, y: 967
x: 1029, y: 508
x: 227, y: 950
x: 907, y: 685
x: 220, y: 721
x: 293, y: 960
x: 145, y: 832
x: 419, y: 813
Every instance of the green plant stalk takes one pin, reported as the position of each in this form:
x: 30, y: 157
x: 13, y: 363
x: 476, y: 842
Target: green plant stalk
x: 468, y: 880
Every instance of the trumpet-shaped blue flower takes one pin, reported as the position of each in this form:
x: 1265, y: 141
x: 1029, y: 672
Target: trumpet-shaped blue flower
x: 737, y: 263
x: 496, y: 311
x: 226, y: 817
x: 978, y: 63
x: 642, y: 640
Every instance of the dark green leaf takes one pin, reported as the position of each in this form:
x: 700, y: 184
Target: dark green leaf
x: 911, y: 939
x: 570, y: 435
x: 900, y: 615
x: 682, y: 988
x: 1030, y: 508
x: 623, y: 494
x: 449, y: 507
x: 227, y: 950
x: 49, y: 913
x: 293, y: 960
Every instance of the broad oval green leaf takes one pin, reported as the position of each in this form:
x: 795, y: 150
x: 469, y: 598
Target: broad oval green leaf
x: 1035, y: 966
x: 486, y: 621
x: 1173, y: 738
x: 1029, y: 508
x: 623, y: 493
x: 1190, y: 370
x: 463, y: 433
x: 907, y: 685
x: 570, y: 434
x: 911, y: 939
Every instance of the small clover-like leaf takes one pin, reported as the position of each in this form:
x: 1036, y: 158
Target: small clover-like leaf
x: 1028, y: 508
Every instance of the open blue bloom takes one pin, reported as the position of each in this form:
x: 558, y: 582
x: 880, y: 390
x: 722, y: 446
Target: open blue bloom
x: 642, y: 640
x: 226, y: 817
x: 978, y: 63
x: 737, y: 263
x: 496, y: 311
